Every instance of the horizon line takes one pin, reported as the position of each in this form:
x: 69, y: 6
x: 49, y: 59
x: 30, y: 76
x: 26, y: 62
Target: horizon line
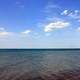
x: 39, y: 48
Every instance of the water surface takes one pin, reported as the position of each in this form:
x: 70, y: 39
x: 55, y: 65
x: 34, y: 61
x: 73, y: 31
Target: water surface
x: 36, y: 62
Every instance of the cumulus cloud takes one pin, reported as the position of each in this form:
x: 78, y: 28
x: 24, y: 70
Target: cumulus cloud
x: 56, y: 25
x: 26, y: 32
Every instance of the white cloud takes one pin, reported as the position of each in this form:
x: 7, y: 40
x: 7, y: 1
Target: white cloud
x: 73, y: 14
x: 56, y: 25
x: 65, y: 12
x: 26, y: 32
x: 4, y: 33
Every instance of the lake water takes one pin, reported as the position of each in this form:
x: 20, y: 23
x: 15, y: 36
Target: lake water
x: 37, y: 61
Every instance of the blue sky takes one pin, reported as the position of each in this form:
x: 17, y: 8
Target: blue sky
x: 39, y: 24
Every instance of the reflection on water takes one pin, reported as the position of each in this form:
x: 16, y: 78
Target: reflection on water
x: 38, y: 61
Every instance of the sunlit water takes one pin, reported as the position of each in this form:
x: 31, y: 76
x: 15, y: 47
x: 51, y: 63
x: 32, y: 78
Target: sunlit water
x: 38, y: 61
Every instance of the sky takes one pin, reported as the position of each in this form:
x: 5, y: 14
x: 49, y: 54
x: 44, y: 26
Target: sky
x: 39, y: 23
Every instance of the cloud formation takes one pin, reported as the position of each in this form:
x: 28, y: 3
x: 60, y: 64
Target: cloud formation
x: 56, y: 25
x: 4, y: 33
x: 73, y: 14
x: 65, y: 12
x: 26, y: 32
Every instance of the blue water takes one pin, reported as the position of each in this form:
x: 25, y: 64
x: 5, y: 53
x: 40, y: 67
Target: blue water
x: 38, y: 61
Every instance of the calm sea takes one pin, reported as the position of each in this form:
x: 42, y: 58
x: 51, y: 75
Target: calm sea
x: 37, y: 61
